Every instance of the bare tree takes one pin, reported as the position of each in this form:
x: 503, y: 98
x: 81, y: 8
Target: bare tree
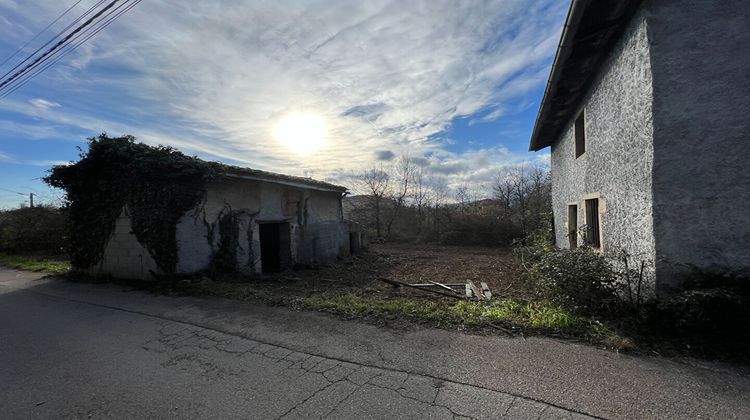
x: 404, y: 172
x: 420, y: 196
x: 523, y: 192
x: 376, y: 182
x: 463, y: 197
x: 439, y: 198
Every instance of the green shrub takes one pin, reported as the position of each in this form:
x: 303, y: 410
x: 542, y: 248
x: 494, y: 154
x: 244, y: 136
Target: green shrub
x: 531, y: 248
x: 707, y: 310
x: 577, y: 279
x: 32, y: 230
x: 711, y: 322
x: 158, y: 184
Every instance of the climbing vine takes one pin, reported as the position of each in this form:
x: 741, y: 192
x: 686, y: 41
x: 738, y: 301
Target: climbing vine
x: 156, y: 184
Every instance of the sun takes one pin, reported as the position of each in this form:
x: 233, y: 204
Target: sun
x: 301, y: 132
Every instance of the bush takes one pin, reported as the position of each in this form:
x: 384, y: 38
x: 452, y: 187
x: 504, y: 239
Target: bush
x: 32, y: 230
x: 702, y: 309
x: 531, y: 248
x: 577, y: 279
x: 711, y: 322
x: 480, y: 230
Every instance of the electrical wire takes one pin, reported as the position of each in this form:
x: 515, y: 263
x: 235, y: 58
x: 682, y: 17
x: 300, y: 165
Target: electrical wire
x: 11, y: 191
x: 57, y: 45
x: 40, y: 32
x: 70, y: 25
x: 106, y: 20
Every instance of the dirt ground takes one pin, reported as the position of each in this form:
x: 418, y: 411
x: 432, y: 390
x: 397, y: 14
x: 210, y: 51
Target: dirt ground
x: 409, y: 263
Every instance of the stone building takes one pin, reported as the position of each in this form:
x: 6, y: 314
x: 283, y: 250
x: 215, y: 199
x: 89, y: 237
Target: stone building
x: 646, y: 113
x: 266, y: 222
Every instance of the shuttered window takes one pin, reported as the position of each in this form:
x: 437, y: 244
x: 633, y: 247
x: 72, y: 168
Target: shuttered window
x: 573, y: 226
x: 592, y: 223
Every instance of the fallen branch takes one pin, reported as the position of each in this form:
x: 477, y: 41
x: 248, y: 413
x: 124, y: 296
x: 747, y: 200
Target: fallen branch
x: 431, y: 284
x: 442, y: 285
x: 397, y: 283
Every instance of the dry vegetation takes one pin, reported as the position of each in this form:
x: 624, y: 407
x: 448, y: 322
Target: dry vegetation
x: 410, y: 264
x: 354, y: 289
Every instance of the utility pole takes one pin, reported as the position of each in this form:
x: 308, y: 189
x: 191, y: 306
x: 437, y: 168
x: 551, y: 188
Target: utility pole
x: 31, y: 200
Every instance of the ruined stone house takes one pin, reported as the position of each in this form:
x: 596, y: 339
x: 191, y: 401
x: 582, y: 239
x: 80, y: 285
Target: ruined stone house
x: 266, y: 221
x: 646, y: 113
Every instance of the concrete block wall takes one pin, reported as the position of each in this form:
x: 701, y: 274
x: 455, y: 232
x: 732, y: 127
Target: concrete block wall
x: 124, y: 256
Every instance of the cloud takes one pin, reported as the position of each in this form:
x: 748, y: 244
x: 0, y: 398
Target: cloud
x: 386, y: 76
x: 44, y: 163
x: 43, y: 103
x: 386, y: 155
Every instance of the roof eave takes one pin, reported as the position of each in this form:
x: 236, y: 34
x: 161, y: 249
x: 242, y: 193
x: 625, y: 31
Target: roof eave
x: 296, y: 184
x: 563, y: 50
x: 591, y: 30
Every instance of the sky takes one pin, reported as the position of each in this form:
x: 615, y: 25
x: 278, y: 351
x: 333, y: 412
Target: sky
x: 325, y: 88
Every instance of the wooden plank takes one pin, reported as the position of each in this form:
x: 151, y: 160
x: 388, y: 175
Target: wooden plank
x: 397, y: 283
x: 442, y: 285
x: 438, y: 284
x: 486, y: 290
x: 474, y: 289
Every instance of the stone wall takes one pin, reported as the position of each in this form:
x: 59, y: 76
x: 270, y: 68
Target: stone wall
x: 700, y: 54
x: 318, y: 234
x: 617, y: 163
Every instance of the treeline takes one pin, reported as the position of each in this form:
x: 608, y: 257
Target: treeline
x: 38, y: 229
x: 402, y: 203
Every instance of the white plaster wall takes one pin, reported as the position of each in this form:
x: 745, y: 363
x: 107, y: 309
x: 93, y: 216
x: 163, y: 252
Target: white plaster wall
x: 618, y: 160
x: 198, y: 232
x: 317, y: 231
x: 314, y: 218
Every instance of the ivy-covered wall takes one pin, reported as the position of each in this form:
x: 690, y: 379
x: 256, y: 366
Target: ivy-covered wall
x: 317, y: 232
x: 140, y: 211
x: 157, y: 185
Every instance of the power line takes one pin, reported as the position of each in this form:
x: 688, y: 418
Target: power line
x: 14, y: 192
x: 57, y: 35
x: 70, y: 47
x: 58, y: 44
x: 67, y: 44
x: 40, y: 32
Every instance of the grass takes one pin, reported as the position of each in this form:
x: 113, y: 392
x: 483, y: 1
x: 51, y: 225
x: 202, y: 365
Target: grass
x: 506, y: 314
x: 531, y: 316
x: 35, y: 263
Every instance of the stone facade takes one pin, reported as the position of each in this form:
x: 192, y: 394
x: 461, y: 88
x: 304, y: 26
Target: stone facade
x: 310, y: 220
x: 667, y: 143
x: 616, y: 166
x: 700, y: 53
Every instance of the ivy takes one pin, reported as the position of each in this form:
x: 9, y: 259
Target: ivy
x: 225, y: 259
x: 157, y: 184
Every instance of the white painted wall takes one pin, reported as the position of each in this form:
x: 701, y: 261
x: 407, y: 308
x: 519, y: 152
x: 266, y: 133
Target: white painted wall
x: 317, y: 230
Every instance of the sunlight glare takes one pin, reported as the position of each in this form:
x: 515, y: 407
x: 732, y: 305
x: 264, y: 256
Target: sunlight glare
x: 301, y: 132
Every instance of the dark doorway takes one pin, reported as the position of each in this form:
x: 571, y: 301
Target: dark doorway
x: 274, y: 246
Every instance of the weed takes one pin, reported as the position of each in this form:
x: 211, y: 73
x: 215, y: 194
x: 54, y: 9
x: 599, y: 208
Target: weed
x: 33, y: 263
x: 528, y: 316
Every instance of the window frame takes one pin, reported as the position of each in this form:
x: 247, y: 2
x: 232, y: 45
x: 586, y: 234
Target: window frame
x: 579, y: 134
x: 592, y: 209
x: 573, y: 225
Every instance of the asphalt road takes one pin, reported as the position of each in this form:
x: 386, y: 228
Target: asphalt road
x: 82, y: 351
